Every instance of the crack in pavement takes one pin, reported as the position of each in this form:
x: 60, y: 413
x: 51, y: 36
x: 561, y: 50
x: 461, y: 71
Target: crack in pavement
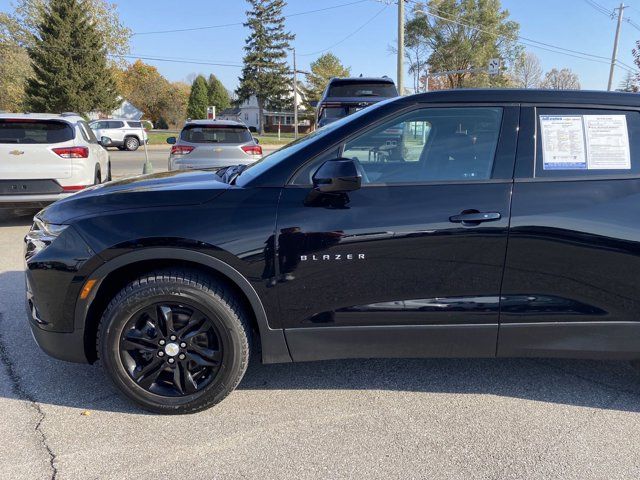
x: 19, y: 390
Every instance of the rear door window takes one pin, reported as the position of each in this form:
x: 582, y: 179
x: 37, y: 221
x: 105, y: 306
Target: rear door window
x: 577, y: 142
x: 115, y: 124
x: 35, y: 131
x: 215, y: 134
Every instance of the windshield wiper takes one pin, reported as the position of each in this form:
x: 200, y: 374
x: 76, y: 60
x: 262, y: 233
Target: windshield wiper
x: 229, y: 174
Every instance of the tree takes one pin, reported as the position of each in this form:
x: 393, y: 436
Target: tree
x: 69, y: 63
x: 14, y: 65
x: 147, y: 89
x: 18, y: 31
x: 265, y: 73
x: 198, y: 99
x: 465, y: 35
x: 218, y: 95
x: 325, y: 67
x: 102, y: 14
x: 629, y: 84
x: 527, y: 71
x: 563, y: 79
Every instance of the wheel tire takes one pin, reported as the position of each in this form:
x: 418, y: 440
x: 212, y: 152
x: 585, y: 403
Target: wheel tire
x: 189, y: 290
x: 131, y: 144
x: 97, y: 177
x: 109, y: 177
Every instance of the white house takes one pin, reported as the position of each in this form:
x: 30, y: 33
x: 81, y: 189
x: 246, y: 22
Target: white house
x: 126, y: 110
x: 249, y: 114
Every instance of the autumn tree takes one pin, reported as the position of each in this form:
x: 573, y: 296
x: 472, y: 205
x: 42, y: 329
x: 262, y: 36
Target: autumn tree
x: 323, y: 69
x: 265, y: 73
x: 69, y: 63
x: 563, y: 79
x: 527, y: 71
x: 465, y: 35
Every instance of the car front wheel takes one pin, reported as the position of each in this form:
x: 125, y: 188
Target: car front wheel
x: 174, y: 342
x: 131, y: 144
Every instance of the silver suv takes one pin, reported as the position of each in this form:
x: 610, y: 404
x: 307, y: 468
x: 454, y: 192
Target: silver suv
x: 212, y: 144
x: 124, y: 134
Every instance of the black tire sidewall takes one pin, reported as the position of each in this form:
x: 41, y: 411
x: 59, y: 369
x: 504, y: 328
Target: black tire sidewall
x: 235, y: 348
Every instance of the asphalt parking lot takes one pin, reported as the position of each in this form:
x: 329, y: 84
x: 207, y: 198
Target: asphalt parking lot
x: 472, y: 419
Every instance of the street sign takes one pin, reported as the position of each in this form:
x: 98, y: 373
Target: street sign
x: 494, y: 66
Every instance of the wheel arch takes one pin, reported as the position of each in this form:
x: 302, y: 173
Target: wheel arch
x: 112, y: 276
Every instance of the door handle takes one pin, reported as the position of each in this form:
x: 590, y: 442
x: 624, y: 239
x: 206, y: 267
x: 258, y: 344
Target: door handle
x: 474, y: 217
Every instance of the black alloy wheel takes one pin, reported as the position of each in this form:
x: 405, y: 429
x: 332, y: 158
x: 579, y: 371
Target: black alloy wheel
x: 171, y: 349
x: 175, y: 341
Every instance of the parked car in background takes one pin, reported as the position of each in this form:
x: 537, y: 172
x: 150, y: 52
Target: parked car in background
x: 212, y: 144
x: 46, y: 157
x: 124, y: 134
x: 344, y: 96
x: 507, y: 224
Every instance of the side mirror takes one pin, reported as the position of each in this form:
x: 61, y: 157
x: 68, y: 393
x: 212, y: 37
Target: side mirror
x: 105, y: 141
x: 256, y: 140
x: 337, y: 176
x: 172, y: 140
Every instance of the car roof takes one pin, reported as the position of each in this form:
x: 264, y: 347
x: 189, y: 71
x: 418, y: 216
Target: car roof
x: 228, y: 123
x: 508, y: 95
x: 69, y: 118
x: 116, y: 119
x: 346, y: 80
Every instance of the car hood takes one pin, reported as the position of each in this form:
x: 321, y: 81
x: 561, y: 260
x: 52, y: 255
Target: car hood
x: 146, y: 191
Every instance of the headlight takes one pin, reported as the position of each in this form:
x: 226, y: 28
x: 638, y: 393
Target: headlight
x: 40, y: 236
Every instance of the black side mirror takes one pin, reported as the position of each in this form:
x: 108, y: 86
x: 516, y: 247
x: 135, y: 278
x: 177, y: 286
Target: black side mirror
x: 172, y: 140
x: 337, y: 176
x: 105, y: 141
x: 255, y: 139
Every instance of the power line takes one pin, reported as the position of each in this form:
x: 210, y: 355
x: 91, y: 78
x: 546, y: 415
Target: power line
x: 600, y: 8
x: 524, y: 40
x: 236, y: 24
x: 348, y: 36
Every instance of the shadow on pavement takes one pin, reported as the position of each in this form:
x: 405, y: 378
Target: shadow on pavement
x: 568, y: 382
x: 13, y: 218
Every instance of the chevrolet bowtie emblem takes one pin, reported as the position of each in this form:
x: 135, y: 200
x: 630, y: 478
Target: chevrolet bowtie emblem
x: 16, y: 152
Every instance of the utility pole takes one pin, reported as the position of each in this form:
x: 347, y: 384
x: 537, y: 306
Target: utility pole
x: 615, y: 45
x: 295, y: 96
x: 400, y: 73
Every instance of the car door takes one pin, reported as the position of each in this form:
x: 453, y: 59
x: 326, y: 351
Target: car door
x: 571, y: 276
x: 411, y: 263
x: 97, y: 151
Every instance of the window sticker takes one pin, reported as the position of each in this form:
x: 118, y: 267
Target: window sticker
x: 607, y: 142
x: 563, y: 145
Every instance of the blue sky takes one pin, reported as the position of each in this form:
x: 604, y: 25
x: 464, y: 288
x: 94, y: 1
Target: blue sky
x: 571, y: 24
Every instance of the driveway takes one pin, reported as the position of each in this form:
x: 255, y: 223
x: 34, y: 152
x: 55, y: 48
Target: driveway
x: 471, y: 419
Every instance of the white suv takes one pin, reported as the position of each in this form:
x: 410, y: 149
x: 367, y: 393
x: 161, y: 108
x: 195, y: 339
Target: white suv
x: 46, y: 157
x: 124, y: 134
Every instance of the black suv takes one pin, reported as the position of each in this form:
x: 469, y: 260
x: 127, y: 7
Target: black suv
x: 344, y: 96
x: 506, y: 223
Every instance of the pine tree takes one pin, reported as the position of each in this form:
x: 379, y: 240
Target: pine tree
x: 266, y: 73
x: 198, y: 99
x: 218, y: 95
x: 69, y: 63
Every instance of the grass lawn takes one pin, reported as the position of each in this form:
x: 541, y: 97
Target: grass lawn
x: 160, y: 138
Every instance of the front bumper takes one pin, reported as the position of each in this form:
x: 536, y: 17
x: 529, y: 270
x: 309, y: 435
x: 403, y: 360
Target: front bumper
x: 63, y: 346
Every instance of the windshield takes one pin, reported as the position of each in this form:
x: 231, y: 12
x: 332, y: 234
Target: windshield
x: 292, y: 148
x: 215, y: 134
x: 355, y: 89
x: 35, y: 131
